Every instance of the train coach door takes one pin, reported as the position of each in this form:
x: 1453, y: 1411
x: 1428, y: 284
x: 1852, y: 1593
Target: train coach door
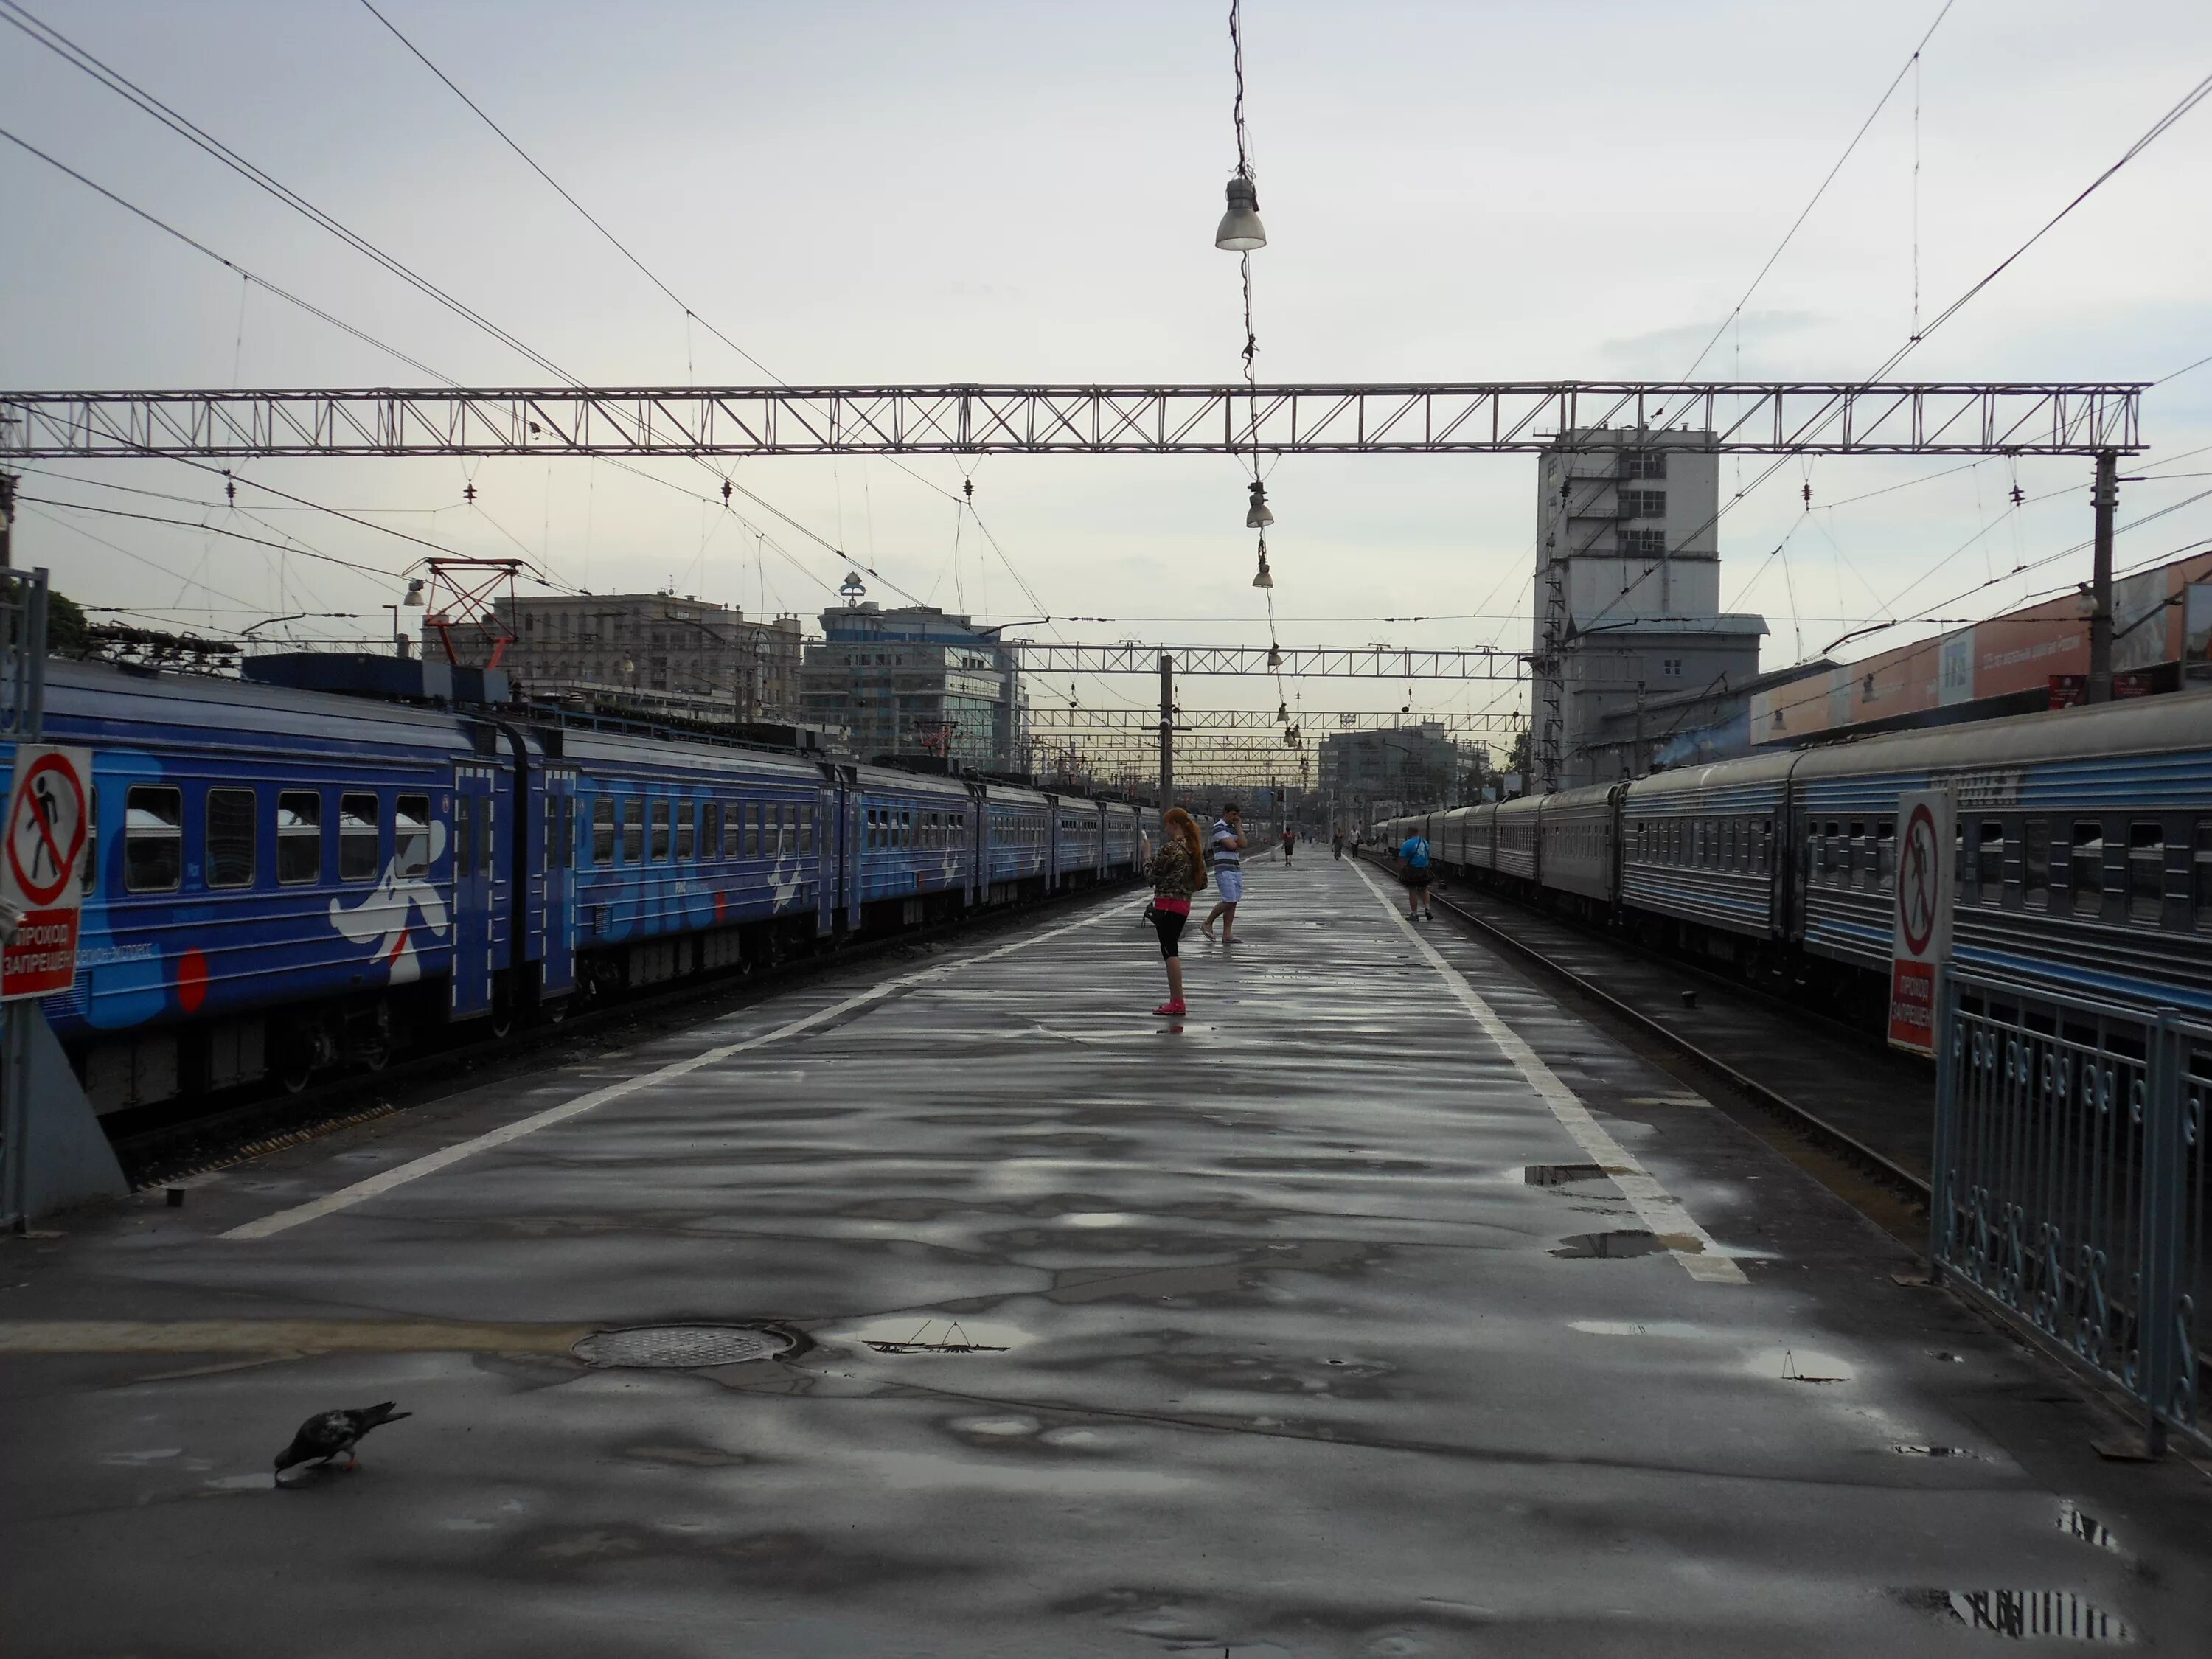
x: 821, y: 843
x: 559, y: 974
x: 475, y: 853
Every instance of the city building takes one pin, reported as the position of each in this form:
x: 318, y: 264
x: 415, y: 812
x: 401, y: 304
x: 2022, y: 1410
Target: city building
x: 655, y: 652
x: 917, y: 681
x: 1417, y: 765
x: 1627, y: 592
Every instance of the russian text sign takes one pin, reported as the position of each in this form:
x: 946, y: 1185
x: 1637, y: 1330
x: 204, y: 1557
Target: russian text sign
x: 1920, y: 940
x: 49, y: 816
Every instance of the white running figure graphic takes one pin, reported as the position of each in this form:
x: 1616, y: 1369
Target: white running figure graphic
x: 386, y: 913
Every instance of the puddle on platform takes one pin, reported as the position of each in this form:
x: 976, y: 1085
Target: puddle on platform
x: 1559, y: 1175
x: 1625, y: 1241
x: 2076, y: 1524
x: 1798, y: 1365
x: 128, y: 1459
x: 933, y: 1333
x: 2023, y: 1615
x: 997, y: 1428
x: 1934, y: 1451
x: 1635, y: 1327
x: 259, y: 1481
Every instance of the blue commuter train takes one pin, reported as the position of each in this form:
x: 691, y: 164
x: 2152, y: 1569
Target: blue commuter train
x: 279, y: 881
x: 2084, y: 853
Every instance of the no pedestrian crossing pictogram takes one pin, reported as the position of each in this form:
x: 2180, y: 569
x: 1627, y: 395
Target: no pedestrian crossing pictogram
x: 1920, y: 940
x: 45, y: 829
x: 49, y: 820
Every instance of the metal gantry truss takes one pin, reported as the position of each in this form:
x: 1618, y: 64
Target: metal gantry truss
x: 1045, y: 720
x: 1828, y: 417
x: 1375, y: 662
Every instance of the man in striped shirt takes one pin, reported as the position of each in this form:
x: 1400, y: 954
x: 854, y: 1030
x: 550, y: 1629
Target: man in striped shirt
x: 1227, y: 843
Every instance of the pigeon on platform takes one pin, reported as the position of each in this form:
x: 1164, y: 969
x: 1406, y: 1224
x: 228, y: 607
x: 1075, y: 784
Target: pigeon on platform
x: 329, y: 1434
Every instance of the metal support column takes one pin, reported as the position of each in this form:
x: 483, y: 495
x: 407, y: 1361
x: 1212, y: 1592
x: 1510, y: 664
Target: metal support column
x: 1166, y: 731
x: 2105, y: 496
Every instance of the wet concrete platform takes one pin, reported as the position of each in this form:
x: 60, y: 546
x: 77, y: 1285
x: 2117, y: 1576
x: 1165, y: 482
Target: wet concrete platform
x: 1380, y: 1307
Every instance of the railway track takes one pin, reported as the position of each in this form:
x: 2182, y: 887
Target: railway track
x: 1832, y: 1086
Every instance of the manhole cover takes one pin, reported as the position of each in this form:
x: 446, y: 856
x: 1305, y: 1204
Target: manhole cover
x: 682, y: 1347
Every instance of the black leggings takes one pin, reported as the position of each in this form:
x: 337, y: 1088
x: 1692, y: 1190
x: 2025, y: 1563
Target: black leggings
x: 1169, y: 925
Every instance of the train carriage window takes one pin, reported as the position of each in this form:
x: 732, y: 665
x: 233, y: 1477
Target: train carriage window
x: 2200, y: 875
x: 2035, y: 864
x: 1989, y: 861
x: 752, y: 830
x: 781, y: 832
x: 2146, y: 871
x: 687, y: 823
x: 710, y: 829
x: 1765, y: 844
x: 1858, y: 859
x: 806, y: 829
x: 230, y: 837
x: 1885, y: 855
x: 410, y: 835
x: 656, y: 840
x: 359, y: 829
x: 2086, y: 868
x: 906, y: 829
x: 633, y: 830
x: 1835, y: 858
x: 733, y: 830
x: 153, y: 839
x: 603, y: 830
x: 298, y: 837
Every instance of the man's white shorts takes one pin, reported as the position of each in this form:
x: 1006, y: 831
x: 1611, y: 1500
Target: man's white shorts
x: 1232, y: 883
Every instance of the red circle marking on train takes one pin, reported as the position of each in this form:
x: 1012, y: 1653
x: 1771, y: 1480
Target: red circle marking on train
x: 191, y: 980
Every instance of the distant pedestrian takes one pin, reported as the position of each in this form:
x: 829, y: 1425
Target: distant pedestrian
x: 1178, y: 871
x: 1228, y: 840
x: 1290, y: 843
x: 1414, y: 859
x: 1336, y: 844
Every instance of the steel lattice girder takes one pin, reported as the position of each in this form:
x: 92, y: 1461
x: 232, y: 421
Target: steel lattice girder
x: 1377, y: 662
x: 1743, y: 417
x: 1316, y: 727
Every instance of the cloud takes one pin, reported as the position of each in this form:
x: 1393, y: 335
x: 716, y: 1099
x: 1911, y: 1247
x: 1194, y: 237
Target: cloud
x: 1668, y: 350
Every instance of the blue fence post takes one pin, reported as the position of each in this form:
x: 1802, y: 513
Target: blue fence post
x: 1947, y: 1113
x: 2163, y: 1200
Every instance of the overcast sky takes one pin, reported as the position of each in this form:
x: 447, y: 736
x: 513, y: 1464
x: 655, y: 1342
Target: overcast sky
x: 1028, y: 192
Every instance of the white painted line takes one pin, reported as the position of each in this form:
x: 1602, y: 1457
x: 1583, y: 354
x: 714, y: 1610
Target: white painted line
x: 346, y: 1197
x: 1658, y: 1210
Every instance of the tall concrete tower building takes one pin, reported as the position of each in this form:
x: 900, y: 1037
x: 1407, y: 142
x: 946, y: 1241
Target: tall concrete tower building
x: 1627, y: 599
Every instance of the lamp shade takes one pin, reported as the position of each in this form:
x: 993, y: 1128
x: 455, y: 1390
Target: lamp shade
x: 1257, y: 517
x: 414, y: 594
x: 1240, y: 230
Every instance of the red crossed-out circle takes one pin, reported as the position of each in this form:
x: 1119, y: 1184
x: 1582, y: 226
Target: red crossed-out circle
x: 65, y: 861
x: 1919, y: 879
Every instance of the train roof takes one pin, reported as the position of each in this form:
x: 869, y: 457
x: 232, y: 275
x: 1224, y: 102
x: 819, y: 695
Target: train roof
x: 106, y: 691
x: 2181, y: 719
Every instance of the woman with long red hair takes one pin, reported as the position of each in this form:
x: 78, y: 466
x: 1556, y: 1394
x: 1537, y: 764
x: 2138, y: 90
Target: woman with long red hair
x: 1178, y: 871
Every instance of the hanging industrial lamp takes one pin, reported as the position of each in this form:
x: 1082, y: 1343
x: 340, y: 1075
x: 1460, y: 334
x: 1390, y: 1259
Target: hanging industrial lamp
x: 1274, y: 657
x: 415, y: 599
x: 1257, y: 517
x: 1263, y: 579
x: 1240, y: 230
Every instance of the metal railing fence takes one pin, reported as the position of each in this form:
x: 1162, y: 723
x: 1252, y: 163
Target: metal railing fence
x: 2071, y: 1185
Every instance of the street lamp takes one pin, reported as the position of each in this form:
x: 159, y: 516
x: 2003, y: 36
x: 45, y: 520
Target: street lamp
x: 1240, y: 230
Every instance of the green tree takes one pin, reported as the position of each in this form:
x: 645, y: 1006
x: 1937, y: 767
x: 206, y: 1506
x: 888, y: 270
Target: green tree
x: 68, y: 633
x: 1518, y: 759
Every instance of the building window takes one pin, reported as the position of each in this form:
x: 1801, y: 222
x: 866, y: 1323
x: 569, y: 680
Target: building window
x: 230, y: 837
x: 1643, y: 503
x: 1671, y: 667
x: 1644, y: 464
x: 1643, y: 544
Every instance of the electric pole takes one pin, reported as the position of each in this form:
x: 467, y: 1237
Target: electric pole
x: 2105, y: 496
x: 1166, y: 731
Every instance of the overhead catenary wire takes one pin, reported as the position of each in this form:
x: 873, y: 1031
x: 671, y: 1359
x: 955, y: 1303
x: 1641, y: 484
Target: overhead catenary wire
x: 251, y: 278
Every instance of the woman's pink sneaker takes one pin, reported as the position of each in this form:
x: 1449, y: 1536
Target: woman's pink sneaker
x: 1174, y: 1007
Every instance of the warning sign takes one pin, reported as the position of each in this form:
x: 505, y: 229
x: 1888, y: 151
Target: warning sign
x: 49, y: 817
x: 1920, y: 942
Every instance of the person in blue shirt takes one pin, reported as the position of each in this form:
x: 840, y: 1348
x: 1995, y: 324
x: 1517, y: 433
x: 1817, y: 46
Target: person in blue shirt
x: 1413, y: 861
